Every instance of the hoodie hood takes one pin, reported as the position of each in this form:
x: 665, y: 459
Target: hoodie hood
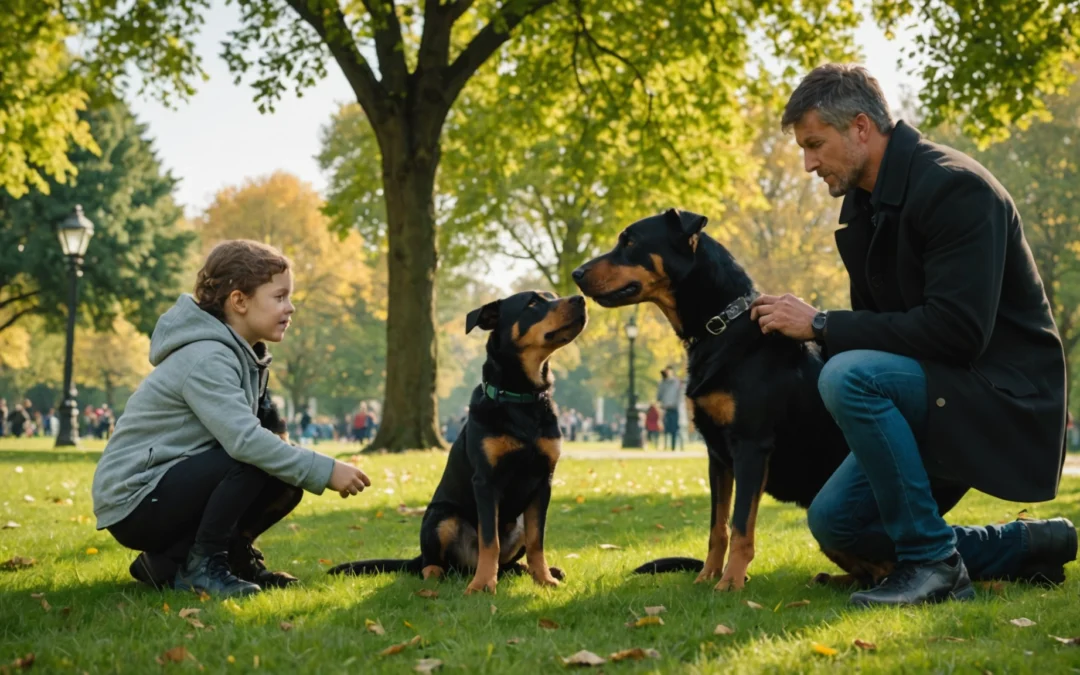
x: 186, y: 322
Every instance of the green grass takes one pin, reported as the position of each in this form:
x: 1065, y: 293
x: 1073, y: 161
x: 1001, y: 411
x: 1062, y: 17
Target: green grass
x: 114, y: 625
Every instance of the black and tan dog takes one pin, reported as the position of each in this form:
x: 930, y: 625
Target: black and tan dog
x: 490, y: 507
x: 755, y: 397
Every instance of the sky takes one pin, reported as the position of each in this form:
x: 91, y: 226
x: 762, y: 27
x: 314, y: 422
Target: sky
x: 218, y: 137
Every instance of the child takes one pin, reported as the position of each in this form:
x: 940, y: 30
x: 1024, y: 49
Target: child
x: 190, y: 477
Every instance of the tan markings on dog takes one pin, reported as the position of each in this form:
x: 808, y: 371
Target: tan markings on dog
x: 693, y: 242
x: 550, y: 448
x: 448, y: 531
x: 605, y: 277
x: 511, y: 540
x: 487, y: 564
x: 660, y: 293
x: 718, y: 536
x: 535, y: 347
x: 433, y: 572
x: 534, y: 548
x: 495, y: 447
x: 742, y: 546
x: 719, y: 406
x: 860, y: 572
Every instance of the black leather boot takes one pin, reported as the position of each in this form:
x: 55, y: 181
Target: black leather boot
x: 248, y: 563
x: 211, y: 573
x: 1051, y: 545
x: 920, y: 583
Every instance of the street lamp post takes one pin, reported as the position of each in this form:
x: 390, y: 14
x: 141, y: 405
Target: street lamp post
x: 74, y: 234
x: 632, y: 435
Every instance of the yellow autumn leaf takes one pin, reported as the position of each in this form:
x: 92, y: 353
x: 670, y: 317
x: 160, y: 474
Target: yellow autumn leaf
x: 822, y: 649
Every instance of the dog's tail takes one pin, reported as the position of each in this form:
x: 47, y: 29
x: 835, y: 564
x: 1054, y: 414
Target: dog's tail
x: 379, y: 566
x: 664, y: 565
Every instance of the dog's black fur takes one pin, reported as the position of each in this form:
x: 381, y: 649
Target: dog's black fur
x: 490, y: 507
x: 755, y: 397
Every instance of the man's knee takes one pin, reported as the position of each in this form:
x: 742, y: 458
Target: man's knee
x: 829, y: 525
x: 845, y: 374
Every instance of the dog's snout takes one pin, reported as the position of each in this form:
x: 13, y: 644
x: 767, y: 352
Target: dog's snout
x: 579, y: 273
x: 577, y: 301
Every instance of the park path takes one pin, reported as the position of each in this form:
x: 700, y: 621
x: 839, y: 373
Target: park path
x: 1072, y: 462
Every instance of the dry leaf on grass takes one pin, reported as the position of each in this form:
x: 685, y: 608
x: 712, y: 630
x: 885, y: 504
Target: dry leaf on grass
x: 572, y: 555
x: 18, y: 563
x: 494, y: 609
x: 1072, y: 642
x: 293, y: 527
x: 637, y: 654
x: 285, y: 626
x: 10, y: 525
x: 752, y: 605
x: 91, y: 551
x: 427, y: 665
x: 45, y: 605
x: 863, y: 644
x: 195, y: 623
x: 165, y: 608
x: 515, y: 641
x: 584, y: 658
x: 1022, y: 622
x: 37, y: 596
x: 580, y: 499
x: 797, y: 603
x: 721, y: 629
x: 548, y: 624
x: 429, y: 593
x: 659, y: 526
x: 655, y: 610
x: 624, y: 507
x: 645, y: 621
x: 400, y: 647
x: 823, y: 650
x: 25, y: 663
x: 174, y: 655
x: 188, y: 611
x: 374, y: 627
x: 995, y: 587
x: 610, y: 547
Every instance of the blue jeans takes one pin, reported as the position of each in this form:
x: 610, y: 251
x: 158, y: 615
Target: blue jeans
x: 671, y: 426
x: 881, y: 504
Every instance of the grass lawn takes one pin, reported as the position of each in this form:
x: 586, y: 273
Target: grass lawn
x: 76, y: 609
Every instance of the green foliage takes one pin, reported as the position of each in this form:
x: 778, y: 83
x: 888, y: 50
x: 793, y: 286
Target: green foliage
x: 134, y: 260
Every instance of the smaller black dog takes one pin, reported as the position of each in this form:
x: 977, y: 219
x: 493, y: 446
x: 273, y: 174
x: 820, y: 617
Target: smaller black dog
x: 490, y: 508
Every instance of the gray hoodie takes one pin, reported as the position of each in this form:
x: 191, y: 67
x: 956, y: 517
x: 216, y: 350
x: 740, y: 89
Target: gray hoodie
x: 203, y: 393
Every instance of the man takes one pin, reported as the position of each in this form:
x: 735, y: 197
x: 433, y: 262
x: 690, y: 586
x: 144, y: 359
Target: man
x: 948, y: 372
x: 669, y: 393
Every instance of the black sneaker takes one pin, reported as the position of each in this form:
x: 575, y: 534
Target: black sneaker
x: 248, y: 563
x: 211, y: 573
x: 154, y: 569
x: 1051, y: 545
x: 920, y: 583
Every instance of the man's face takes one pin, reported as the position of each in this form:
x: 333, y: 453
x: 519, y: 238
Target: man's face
x: 836, y: 156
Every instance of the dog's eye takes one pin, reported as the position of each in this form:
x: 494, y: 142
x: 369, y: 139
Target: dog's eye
x: 625, y: 240
x: 533, y: 303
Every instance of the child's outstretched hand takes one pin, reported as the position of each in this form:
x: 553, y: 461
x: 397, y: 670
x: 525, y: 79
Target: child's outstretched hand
x: 347, y: 480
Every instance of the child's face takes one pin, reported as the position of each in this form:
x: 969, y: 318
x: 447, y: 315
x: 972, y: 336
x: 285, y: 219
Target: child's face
x: 264, y: 316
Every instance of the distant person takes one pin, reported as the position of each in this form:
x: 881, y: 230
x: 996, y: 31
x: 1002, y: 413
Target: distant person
x: 652, y: 425
x: 669, y: 394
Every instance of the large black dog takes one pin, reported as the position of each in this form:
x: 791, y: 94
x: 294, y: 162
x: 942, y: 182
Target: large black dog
x: 490, y: 508
x: 755, y: 397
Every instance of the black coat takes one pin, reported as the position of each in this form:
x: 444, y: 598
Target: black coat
x: 941, y: 272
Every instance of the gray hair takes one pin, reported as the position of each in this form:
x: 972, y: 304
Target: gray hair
x: 838, y: 92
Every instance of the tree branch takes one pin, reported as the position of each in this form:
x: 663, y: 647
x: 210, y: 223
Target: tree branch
x: 486, y: 41
x: 10, y: 322
x: 24, y: 296
x: 389, y: 45
x: 338, y: 38
x: 529, y: 252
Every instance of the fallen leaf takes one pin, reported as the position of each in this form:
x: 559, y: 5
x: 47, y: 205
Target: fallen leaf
x: 188, y: 611
x: 862, y: 644
x: 655, y: 610
x: 285, y: 626
x: 659, y: 526
x: 676, y: 505
x: 430, y: 593
x: 400, y: 647
x: 324, y: 561
x: 37, y: 596
x: 1072, y: 642
x: 494, y: 609
x: 10, y: 525
x: 797, y: 603
x: 374, y: 627
x: 721, y: 629
x: 230, y: 658
x: 1022, y: 622
x: 165, y: 608
x: 195, y: 623
x: 624, y: 507
x: 358, y: 528
x: 203, y: 596
x: 609, y: 547
x: 752, y: 605
x: 637, y: 654
x: 645, y: 621
x: 174, y: 655
x: 27, y: 498
x: 45, y: 605
x: 293, y: 527
x: 255, y: 661
x: 548, y: 624
x: 25, y: 663
x: 995, y: 587
x: 18, y: 562
x: 408, y: 625
x: 823, y: 650
x: 515, y: 641
x: 584, y: 658
x: 572, y: 555
x: 427, y: 665
x: 378, y: 514
x: 580, y: 499
x: 91, y: 551
x: 190, y: 636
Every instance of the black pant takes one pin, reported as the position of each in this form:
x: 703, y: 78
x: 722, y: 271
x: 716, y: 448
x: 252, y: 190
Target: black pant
x: 209, y: 500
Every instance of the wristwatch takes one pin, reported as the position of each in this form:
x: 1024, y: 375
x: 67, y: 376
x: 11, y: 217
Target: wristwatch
x: 818, y: 326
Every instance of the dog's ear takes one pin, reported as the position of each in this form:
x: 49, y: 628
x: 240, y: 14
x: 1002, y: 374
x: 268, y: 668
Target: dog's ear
x: 687, y: 222
x: 487, y: 317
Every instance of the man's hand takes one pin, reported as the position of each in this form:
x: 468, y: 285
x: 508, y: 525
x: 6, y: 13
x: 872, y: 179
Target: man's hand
x: 784, y: 314
x: 347, y: 479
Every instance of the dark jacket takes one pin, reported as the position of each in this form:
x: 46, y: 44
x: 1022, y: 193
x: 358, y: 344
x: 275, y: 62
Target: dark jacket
x: 941, y: 272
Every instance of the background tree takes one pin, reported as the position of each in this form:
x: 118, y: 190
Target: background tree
x: 112, y: 360
x: 334, y: 296
x: 135, y: 258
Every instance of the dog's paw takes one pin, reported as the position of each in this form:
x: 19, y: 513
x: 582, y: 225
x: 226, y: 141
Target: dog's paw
x: 479, y: 586
x: 730, y: 584
x: 707, y: 574
x: 433, y: 572
x: 545, y: 580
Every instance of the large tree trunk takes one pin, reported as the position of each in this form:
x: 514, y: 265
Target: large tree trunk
x: 410, y: 409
